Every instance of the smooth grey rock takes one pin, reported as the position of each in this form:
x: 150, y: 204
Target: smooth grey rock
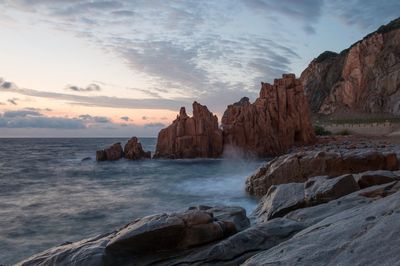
x: 149, y: 240
x: 362, y: 235
x: 280, y: 200
x: 321, y: 189
x: 315, y: 214
x: 372, y: 178
x: 237, y: 248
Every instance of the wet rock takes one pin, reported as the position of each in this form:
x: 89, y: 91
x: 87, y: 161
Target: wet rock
x: 276, y: 121
x: 298, y: 167
x: 280, y: 200
x: 191, y: 137
x: 112, y: 153
x: 133, y: 150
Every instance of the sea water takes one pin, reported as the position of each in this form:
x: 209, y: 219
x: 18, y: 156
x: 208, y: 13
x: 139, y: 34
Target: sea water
x: 53, y: 191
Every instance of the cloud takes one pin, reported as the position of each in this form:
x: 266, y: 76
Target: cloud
x: 20, y: 113
x: 102, y: 101
x: 95, y: 119
x: 367, y: 14
x: 13, y: 101
x: 307, y: 12
x: 125, y: 118
x: 29, y: 119
x: 6, y: 84
x: 154, y: 125
x: 89, y: 88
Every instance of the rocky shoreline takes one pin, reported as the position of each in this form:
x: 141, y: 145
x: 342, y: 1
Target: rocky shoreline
x: 343, y: 202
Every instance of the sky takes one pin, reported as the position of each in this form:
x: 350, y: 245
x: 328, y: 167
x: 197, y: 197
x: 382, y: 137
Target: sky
x: 72, y: 68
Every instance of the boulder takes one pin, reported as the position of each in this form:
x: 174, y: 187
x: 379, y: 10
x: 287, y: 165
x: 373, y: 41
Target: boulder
x: 112, y: 153
x: 366, y: 234
x: 298, y: 167
x: 372, y: 178
x: 321, y: 189
x: 241, y: 246
x: 149, y: 240
x: 276, y: 121
x: 133, y: 150
x: 280, y: 200
x: 191, y: 137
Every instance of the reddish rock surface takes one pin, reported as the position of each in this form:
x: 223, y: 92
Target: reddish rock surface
x: 191, y: 137
x: 112, y: 153
x: 363, y: 79
x: 277, y: 120
x: 133, y: 150
x: 301, y: 166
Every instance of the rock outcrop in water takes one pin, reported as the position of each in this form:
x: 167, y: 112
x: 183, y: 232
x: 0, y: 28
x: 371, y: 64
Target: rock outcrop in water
x: 277, y: 120
x: 191, y: 137
x: 298, y: 167
x: 364, y: 78
x: 133, y: 150
x: 113, y: 153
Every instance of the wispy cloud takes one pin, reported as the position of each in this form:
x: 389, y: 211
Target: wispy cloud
x: 89, y: 88
x: 13, y: 101
x: 154, y: 125
x: 102, y: 101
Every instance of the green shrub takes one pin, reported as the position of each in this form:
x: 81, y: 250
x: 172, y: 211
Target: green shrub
x: 320, y: 131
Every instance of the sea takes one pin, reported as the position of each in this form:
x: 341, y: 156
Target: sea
x: 53, y: 191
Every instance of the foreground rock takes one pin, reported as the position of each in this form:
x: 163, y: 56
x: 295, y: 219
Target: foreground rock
x: 365, y: 78
x: 133, y: 150
x: 277, y: 120
x: 112, y: 153
x: 191, y: 137
x: 285, y: 198
x: 366, y: 234
x: 150, y: 239
x: 360, y: 228
x: 298, y: 167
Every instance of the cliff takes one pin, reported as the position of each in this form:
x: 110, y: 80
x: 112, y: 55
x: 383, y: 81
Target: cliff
x: 277, y: 120
x: 363, y: 79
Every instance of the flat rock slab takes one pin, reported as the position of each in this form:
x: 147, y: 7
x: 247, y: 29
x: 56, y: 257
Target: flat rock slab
x: 362, y: 235
x: 241, y: 246
x: 280, y: 200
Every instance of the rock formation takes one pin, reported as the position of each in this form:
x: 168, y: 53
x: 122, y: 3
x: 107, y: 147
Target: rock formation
x: 364, y: 78
x: 349, y: 229
x: 298, y: 167
x: 277, y: 120
x: 133, y: 150
x: 112, y: 153
x: 191, y: 137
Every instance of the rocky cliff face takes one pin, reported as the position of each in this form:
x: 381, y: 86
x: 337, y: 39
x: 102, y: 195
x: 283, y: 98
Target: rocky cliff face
x: 190, y: 137
x: 364, y: 78
x: 277, y: 120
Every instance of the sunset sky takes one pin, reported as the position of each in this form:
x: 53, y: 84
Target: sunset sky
x: 74, y: 68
